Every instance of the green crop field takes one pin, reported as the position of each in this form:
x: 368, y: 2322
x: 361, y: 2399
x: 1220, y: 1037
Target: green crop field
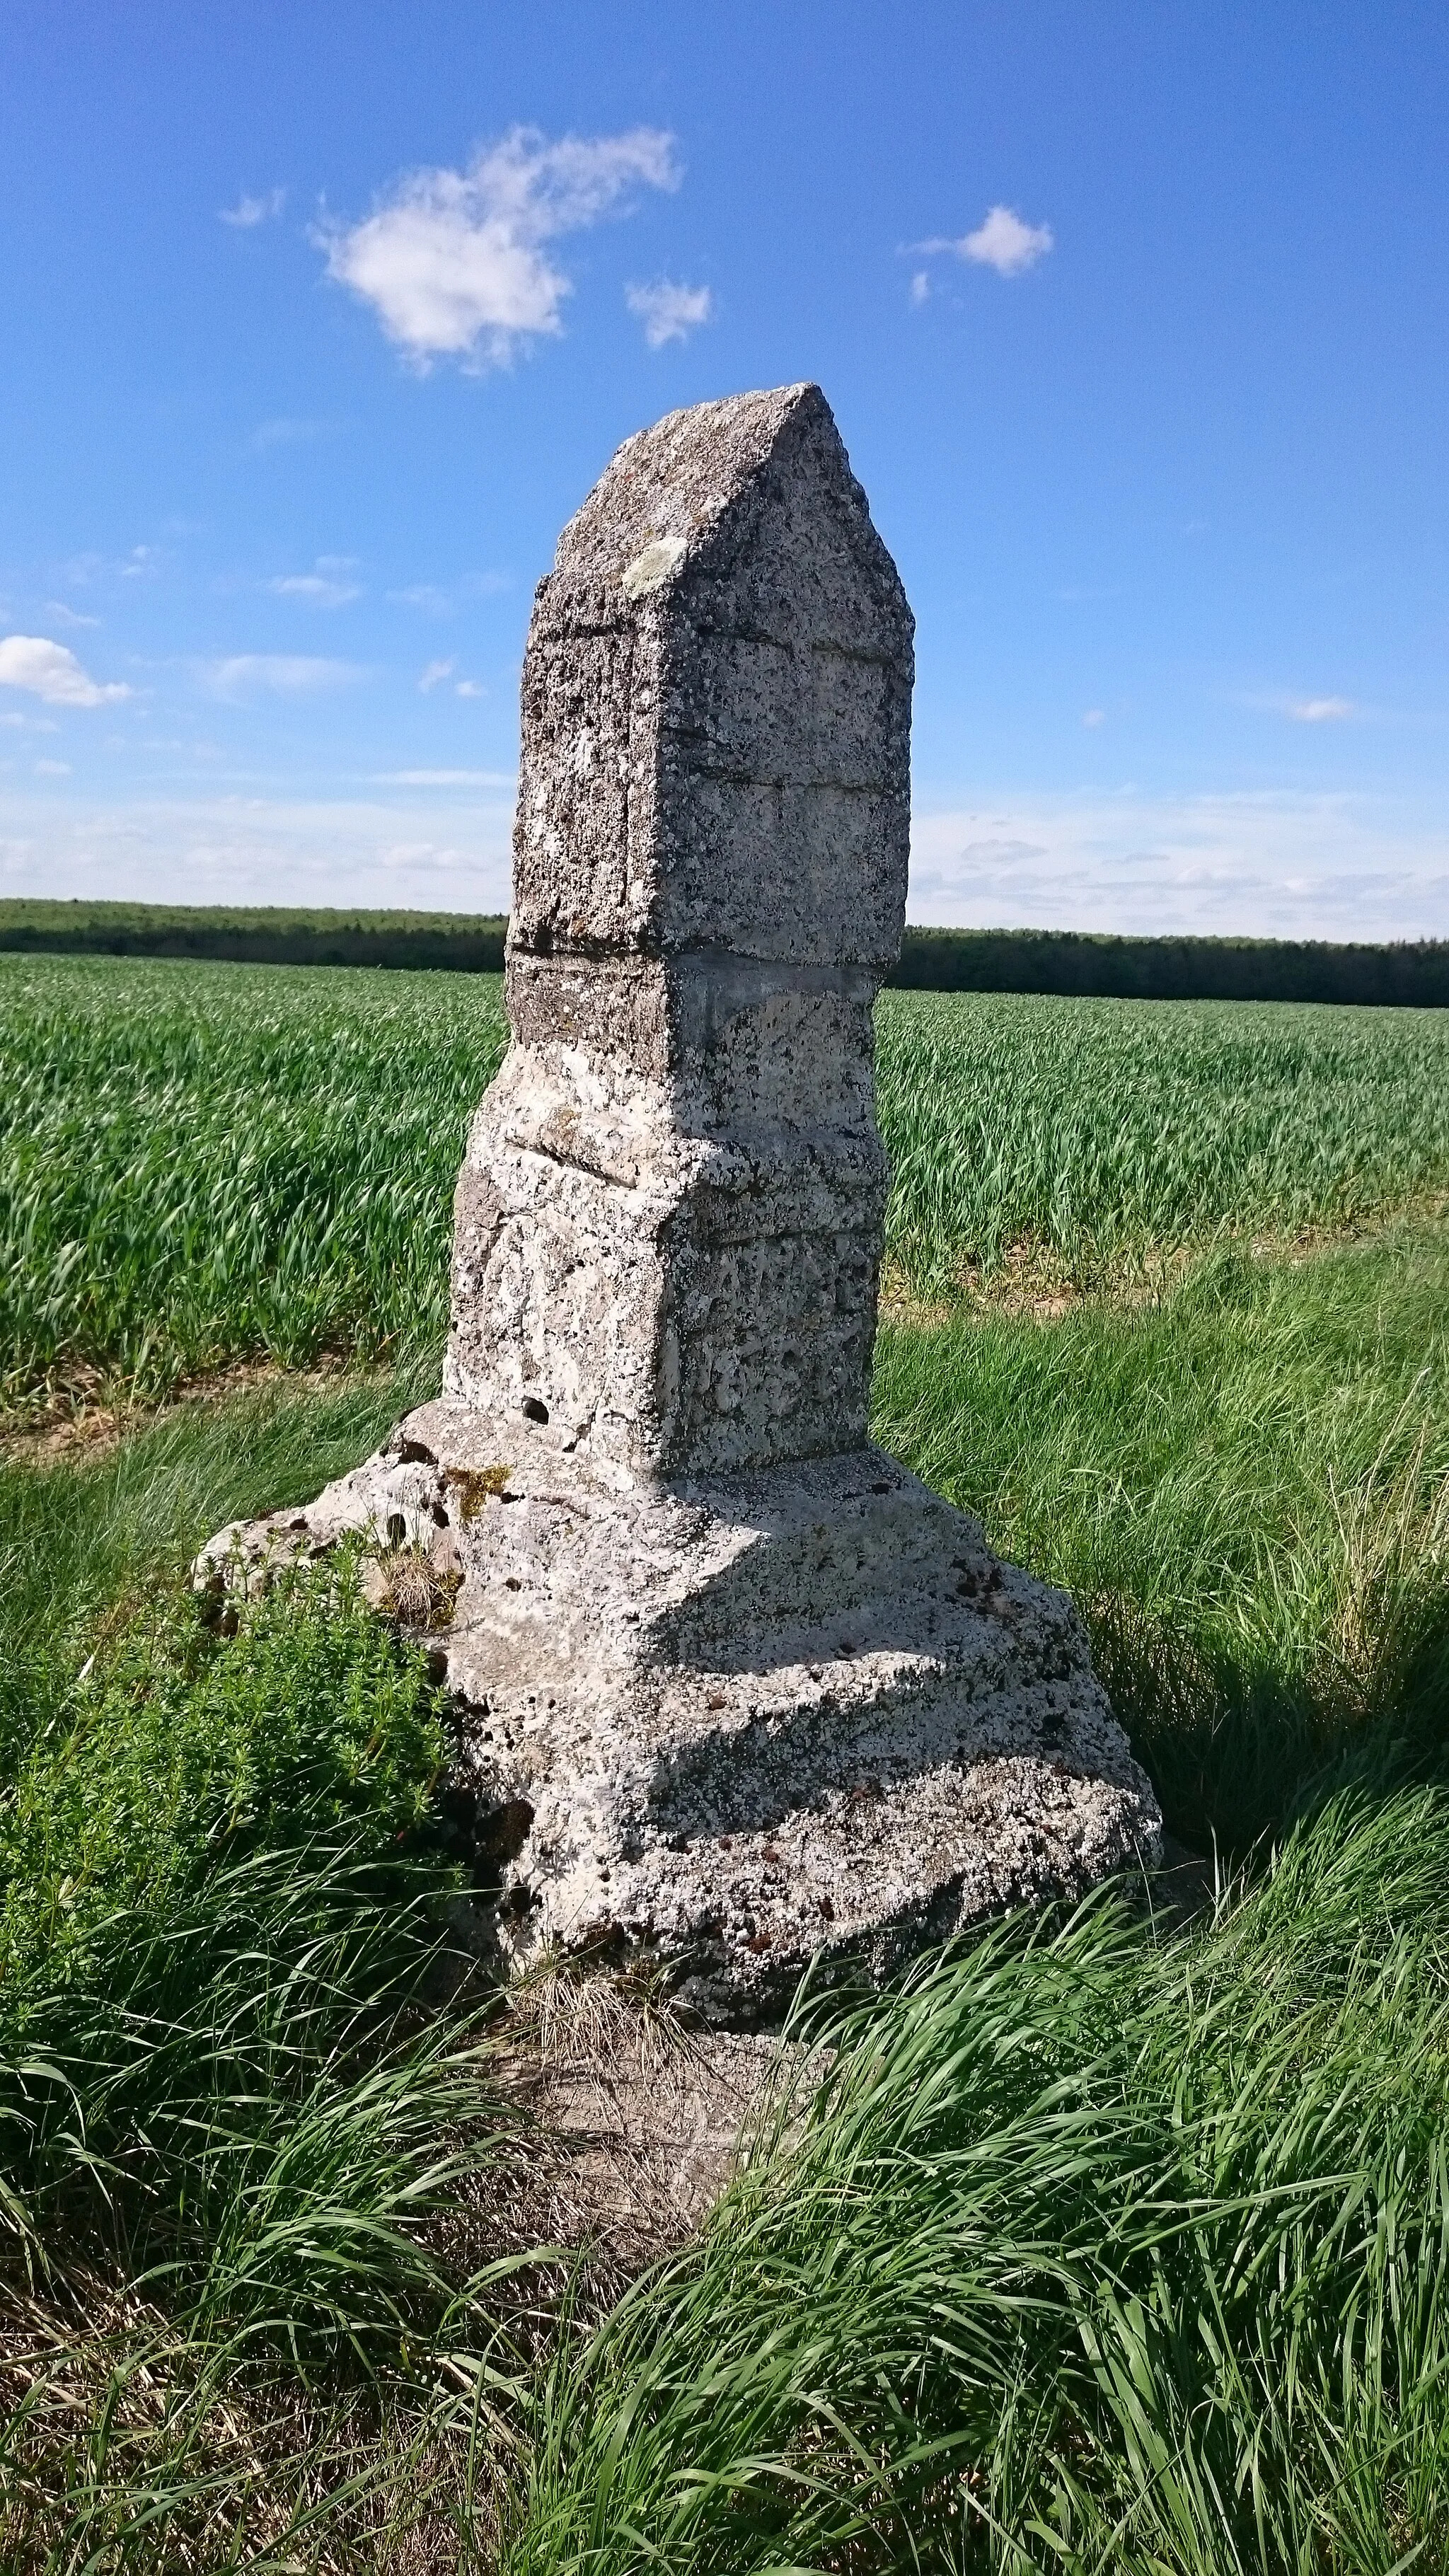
x: 199, y: 1163
x: 1111, y: 2243
x: 1105, y: 1133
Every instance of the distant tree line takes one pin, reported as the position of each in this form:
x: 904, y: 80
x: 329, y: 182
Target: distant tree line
x: 1085, y: 963
x: 466, y: 943
x: 1176, y: 970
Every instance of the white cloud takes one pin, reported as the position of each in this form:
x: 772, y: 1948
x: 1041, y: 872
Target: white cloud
x: 52, y: 768
x: 83, y: 571
x: 326, y: 587
x: 435, y: 673
x: 431, y: 853
x: 445, y: 778
x: 250, y: 211
x: 51, y: 671
x: 1321, y: 710
x: 1277, y: 865
x: 287, y: 675
x: 1002, y: 242
x: 288, y: 433
x: 452, y: 261
x: 1094, y: 716
x: 436, y: 601
x: 1299, y: 710
x: 68, y: 616
x: 920, y: 286
x: 1281, y: 865
x: 669, y: 312
x: 439, y: 601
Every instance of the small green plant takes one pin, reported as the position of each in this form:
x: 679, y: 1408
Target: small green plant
x: 182, y: 1749
x: 247, y: 2091
x: 215, y: 1875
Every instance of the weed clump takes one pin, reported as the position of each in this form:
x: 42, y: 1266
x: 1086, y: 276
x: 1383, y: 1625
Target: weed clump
x: 180, y: 1750
x: 246, y: 2091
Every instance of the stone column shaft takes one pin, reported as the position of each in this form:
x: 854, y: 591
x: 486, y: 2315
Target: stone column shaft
x: 669, y: 1225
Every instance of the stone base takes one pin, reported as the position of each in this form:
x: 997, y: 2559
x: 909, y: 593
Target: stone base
x: 738, y: 1726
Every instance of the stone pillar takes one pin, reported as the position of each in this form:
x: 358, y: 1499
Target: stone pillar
x: 732, y: 1688
x: 670, y: 1220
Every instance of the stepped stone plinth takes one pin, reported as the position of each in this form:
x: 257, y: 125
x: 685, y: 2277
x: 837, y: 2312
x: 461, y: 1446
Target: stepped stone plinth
x: 733, y: 1688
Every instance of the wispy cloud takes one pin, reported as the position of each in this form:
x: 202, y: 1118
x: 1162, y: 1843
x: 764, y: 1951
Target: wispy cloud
x: 453, y: 261
x: 1297, y: 866
x: 1300, y: 709
x: 436, y: 675
x: 920, y: 286
x: 439, y: 600
x: 68, y: 616
x: 445, y: 778
x: 51, y: 672
x: 430, y: 852
x: 284, y: 432
x: 1003, y: 242
x: 327, y: 586
x: 1321, y: 710
x: 240, y: 676
x: 1093, y: 717
x: 1280, y: 865
x: 669, y: 312
x: 83, y: 571
x: 248, y: 212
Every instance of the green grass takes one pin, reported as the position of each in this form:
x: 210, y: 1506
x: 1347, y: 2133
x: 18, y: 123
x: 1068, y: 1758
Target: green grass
x: 1108, y: 1134
x: 1128, y: 2226
x: 1246, y: 1487
x: 200, y: 1162
x: 247, y: 2097
x: 204, y: 1161
x: 1103, y: 2246
x: 1095, y: 2252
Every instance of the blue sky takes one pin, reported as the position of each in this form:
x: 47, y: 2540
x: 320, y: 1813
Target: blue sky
x: 316, y: 322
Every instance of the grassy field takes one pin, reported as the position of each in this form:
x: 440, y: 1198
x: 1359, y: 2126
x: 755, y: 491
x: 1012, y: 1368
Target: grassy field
x: 1105, y: 2244
x: 203, y: 1162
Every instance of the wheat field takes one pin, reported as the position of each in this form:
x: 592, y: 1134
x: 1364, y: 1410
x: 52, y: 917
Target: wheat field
x: 201, y: 1162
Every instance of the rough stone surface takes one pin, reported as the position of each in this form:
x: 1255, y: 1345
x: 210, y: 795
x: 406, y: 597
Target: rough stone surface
x: 669, y: 1222
x: 734, y: 1688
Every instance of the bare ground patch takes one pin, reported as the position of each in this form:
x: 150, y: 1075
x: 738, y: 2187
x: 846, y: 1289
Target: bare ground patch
x: 1037, y: 1281
x: 85, y: 1412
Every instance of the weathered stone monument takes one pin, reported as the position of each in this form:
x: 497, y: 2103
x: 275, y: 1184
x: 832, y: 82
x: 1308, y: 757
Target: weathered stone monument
x: 734, y: 1689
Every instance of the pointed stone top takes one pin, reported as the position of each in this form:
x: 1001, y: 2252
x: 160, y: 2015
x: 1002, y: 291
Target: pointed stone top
x: 716, y: 705
x: 684, y: 497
